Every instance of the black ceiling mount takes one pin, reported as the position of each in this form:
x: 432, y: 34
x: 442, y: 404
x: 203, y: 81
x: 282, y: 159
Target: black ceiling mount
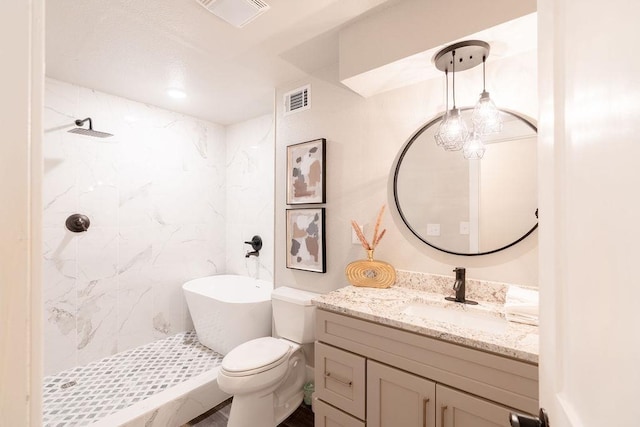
x: 467, y: 54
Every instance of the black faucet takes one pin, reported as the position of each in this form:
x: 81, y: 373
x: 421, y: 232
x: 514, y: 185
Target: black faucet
x: 255, y: 253
x: 460, y: 287
x: 256, y: 245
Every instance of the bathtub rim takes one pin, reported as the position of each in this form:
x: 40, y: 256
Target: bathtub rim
x: 236, y: 289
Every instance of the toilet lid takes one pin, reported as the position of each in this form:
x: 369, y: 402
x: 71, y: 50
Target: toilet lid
x: 264, y: 352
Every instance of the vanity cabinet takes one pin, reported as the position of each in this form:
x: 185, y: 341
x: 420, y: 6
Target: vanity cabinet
x: 369, y: 374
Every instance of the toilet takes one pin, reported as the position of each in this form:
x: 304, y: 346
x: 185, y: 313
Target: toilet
x: 266, y: 375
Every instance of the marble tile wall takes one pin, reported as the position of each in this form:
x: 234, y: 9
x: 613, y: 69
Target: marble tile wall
x: 250, y: 181
x: 156, y: 196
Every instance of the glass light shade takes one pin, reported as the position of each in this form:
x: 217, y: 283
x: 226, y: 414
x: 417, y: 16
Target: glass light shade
x: 439, y: 135
x: 452, y: 132
x: 486, y: 117
x: 474, y: 148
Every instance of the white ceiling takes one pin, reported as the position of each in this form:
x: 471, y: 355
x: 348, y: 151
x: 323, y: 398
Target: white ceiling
x: 138, y: 49
x: 506, y: 39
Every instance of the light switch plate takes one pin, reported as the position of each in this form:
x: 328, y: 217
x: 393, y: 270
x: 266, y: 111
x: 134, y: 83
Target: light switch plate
x: 464, y: 227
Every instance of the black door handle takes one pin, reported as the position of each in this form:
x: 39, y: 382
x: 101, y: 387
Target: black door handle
x: 518, y: 420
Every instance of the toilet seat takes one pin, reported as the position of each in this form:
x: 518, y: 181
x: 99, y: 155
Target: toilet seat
x: 255, y: 356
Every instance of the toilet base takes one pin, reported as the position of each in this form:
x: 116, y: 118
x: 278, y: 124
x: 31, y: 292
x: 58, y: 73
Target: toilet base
x: 251, y: 410
x: 282, y: 412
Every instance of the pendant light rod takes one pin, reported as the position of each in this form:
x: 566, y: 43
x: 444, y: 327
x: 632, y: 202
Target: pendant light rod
x: 446, y: 86
x: 484, y: 60
x: 453, y: 60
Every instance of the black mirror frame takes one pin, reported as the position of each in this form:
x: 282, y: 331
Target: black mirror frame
x: 406, y: 147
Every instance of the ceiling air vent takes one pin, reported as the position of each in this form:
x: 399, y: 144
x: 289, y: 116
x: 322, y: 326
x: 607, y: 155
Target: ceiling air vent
x: 297, y: 100
x: 236, y: 12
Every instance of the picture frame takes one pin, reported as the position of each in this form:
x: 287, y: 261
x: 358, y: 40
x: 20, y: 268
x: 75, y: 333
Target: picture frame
x: 306, y: 172
x: 306, y: 239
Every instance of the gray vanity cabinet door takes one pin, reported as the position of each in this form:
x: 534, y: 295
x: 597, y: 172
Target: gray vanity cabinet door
x: 458, y: 409
x: 396, y: 398
x: 327, y: 416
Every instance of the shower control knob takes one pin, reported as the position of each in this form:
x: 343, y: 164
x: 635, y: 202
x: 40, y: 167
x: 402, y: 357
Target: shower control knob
x: 255, y: 242
x: 77, y: 223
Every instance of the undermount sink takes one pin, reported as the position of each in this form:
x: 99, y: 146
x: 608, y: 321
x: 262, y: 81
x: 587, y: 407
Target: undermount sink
x: 466, y: 319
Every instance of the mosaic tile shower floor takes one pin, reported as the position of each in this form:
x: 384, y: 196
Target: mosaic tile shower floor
x: 85, y: 394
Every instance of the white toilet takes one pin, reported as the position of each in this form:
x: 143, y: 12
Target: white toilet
x: 266, y: 375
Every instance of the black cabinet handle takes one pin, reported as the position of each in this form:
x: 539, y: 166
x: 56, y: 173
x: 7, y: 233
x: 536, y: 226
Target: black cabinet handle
x: 518, y: 420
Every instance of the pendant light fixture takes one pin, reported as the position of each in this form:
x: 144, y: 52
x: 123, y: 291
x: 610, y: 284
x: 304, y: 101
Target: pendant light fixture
x: 453, y: 134
x: 486, y: 117
x: 439, y: 134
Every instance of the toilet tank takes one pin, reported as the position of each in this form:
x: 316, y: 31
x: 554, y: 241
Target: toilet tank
x: 294, y: 316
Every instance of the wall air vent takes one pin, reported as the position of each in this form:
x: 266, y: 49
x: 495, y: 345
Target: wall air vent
x: 297, y: 100
x: 236, y: 12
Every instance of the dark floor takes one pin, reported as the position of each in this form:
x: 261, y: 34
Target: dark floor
x: 219, y: 416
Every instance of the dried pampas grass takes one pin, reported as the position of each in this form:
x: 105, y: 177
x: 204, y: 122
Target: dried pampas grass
x: 376, y: 237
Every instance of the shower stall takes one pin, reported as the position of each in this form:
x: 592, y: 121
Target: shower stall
x: 158, y: 191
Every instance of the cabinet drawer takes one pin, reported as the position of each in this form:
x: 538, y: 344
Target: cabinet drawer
x: 328, y: 416
x: 340, y: 379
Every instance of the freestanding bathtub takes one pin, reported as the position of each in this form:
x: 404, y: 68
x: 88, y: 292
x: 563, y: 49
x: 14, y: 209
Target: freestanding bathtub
x: 228, y: 310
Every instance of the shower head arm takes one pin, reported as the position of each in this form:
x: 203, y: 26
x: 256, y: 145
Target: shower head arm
x: 88, y: 132
x: 81, y: 122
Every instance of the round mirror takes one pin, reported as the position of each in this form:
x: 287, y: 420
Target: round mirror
x: 470, y: 207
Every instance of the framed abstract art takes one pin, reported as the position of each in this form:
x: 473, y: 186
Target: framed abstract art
x: 306, y: 172
x: 306, y: 240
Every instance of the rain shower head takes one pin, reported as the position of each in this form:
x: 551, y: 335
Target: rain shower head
x: 90, y: 131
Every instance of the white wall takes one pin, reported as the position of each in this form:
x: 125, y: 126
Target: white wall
x: 155, y: 194
x: 22, y: 49
x: 249, y: 196
x: 363, y: 138
x: 588, y: 183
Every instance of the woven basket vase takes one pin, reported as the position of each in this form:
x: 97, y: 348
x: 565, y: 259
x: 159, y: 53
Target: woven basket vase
x: 370, y: 273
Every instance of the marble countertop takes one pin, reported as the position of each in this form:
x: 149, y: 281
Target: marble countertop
x: 386, y: 306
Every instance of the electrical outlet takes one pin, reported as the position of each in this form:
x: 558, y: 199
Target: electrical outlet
x: 433, y: 229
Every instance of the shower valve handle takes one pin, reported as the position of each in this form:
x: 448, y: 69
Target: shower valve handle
x: 255, y: 242
x: 78, y: 223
